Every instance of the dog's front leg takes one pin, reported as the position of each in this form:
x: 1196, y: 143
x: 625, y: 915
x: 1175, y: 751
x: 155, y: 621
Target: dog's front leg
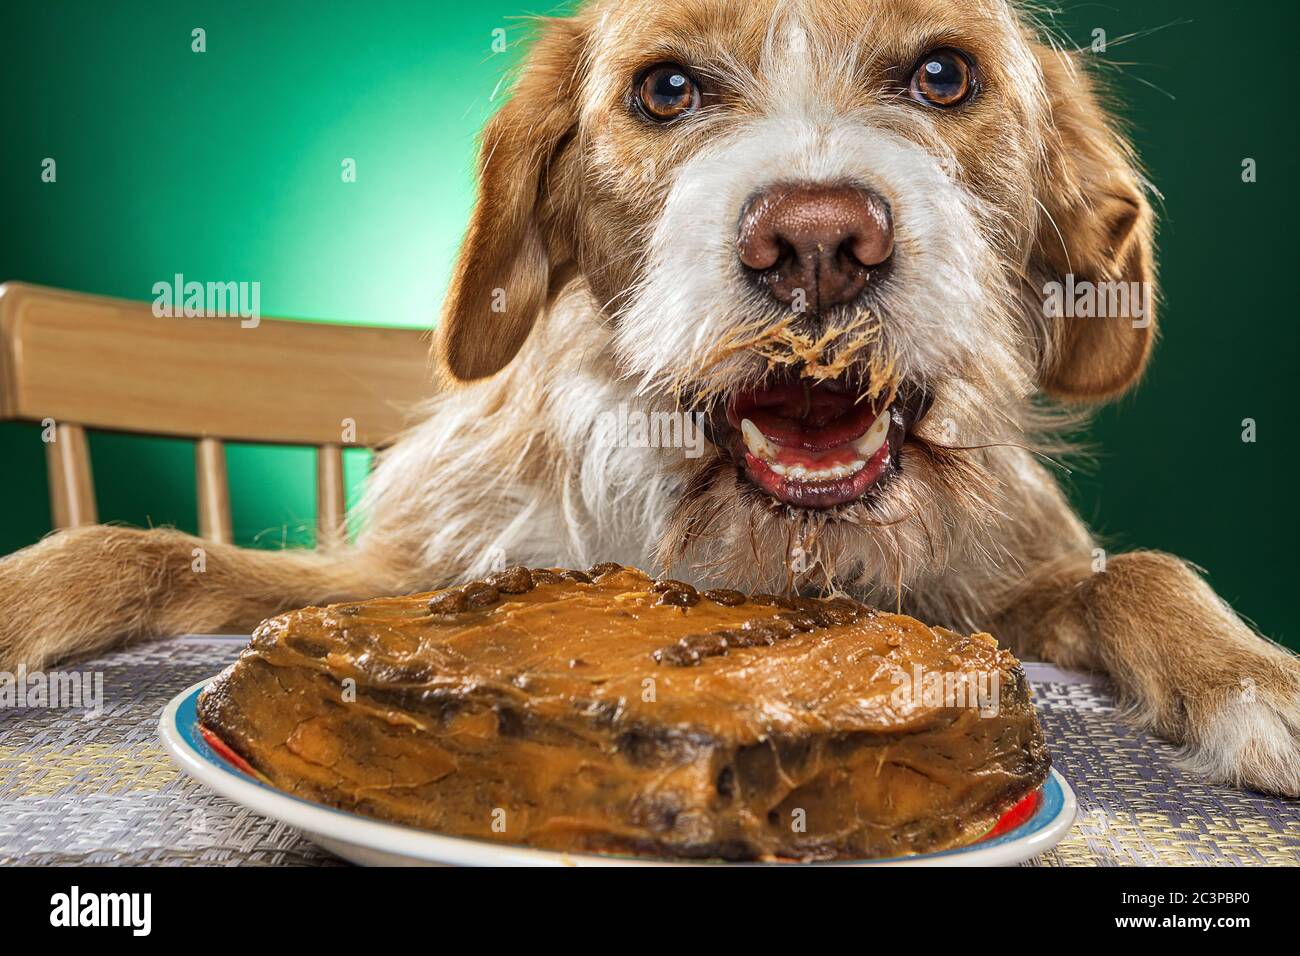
x: 1182, y: 662
x: 78, y: 592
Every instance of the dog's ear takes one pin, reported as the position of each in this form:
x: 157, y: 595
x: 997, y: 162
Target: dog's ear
x: 503, y: 273
x: 1097, y: 227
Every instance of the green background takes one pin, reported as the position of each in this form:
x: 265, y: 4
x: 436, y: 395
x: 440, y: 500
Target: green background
x: 226, y: 165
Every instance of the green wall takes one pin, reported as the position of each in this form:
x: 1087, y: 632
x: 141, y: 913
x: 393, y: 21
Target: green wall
x: 226, y: 165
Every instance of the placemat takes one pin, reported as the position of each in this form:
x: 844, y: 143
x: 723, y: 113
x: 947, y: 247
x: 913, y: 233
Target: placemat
x: 99, y: 789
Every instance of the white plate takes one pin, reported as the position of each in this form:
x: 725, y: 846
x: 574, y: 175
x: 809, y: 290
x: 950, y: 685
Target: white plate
x: 374, y: 842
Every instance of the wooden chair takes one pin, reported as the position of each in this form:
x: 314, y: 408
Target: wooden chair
x: 73, y: 361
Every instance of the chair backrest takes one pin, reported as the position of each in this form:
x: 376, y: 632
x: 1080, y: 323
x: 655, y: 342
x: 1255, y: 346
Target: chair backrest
x: 73, y: 361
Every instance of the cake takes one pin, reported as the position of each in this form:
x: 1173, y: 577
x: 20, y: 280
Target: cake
x: 605, y: 711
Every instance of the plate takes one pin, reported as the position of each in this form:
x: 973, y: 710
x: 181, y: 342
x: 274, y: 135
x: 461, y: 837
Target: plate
x: 377, y: 843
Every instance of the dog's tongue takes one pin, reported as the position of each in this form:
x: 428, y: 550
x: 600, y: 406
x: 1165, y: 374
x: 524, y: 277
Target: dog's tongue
x: 805, y: 416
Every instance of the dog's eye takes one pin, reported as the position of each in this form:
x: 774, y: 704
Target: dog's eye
x: 666, y: 92
x: 943, y: 78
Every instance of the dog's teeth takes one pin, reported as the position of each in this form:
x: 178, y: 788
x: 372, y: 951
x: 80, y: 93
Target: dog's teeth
x: 870, y: 443
x: 804, y: 473
x: 756, y: 442
x: 866, y: 446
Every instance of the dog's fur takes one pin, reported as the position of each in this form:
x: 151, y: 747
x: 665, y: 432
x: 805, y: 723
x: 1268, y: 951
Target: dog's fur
x: 612, y: 242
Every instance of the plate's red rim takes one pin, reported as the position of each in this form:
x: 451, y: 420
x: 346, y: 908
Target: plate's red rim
x: 1021, y: 811
x: 224, y: 751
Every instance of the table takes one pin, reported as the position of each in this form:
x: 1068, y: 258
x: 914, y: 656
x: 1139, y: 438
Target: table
x: 78, y: 788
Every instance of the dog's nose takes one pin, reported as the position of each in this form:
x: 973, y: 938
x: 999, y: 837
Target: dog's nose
x: 815, y: 246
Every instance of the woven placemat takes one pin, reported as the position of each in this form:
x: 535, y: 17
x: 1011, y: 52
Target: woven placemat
x: 100, y: 789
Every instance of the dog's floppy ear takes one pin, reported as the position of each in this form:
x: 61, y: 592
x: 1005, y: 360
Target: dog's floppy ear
x: 1097, y: 227
x: 502, y: 276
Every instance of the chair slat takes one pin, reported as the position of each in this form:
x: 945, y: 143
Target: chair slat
x: 331, y: 497
x: 213, y: 491
x: 72, y: 489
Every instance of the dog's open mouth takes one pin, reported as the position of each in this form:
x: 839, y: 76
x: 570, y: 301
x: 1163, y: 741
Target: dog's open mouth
x: 818, y: 444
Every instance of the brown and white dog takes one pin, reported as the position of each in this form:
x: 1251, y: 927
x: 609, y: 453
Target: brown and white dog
x: 827, y: 227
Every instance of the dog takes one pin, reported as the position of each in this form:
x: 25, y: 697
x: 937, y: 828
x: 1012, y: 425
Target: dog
x: 824, y: 231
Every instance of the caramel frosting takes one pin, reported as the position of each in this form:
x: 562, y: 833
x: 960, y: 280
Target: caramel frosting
x: 606, y: 711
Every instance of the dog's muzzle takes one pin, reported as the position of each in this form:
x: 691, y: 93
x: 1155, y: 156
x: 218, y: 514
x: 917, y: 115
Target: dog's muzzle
x: 804, y: 436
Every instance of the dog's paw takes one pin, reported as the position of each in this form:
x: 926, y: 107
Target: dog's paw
x: 1249, y: 736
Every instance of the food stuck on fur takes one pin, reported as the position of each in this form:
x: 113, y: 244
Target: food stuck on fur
x: 604, y: 711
